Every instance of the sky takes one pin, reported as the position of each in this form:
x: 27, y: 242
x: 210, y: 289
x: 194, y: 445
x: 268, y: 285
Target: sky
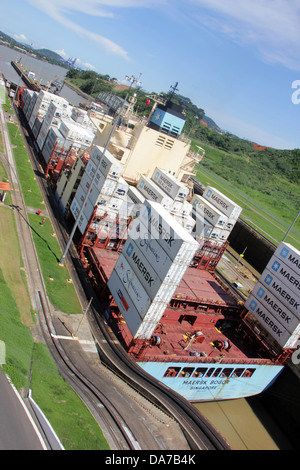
x: 238, y: 60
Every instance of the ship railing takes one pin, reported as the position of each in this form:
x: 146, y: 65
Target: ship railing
x: 210, y: 360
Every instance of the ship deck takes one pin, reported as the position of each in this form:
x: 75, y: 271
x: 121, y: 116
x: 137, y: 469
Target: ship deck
x: 200, y: 305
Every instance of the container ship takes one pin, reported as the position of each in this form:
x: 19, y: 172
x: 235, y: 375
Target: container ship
x: 151, y: 248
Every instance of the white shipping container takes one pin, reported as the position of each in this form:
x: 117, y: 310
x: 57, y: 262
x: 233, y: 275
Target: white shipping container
x: 145, y: 330
x: 213, y: 215
x: 173, y: 238
x: 135, y: 195
x: 108, y: 164
x: 289, y: 255
x: 170, y: 185
x: 281, y: 291
x: 186, y: 222
x: 203, y: 228
x: 268, y: 322
x: 152, y: 192
x: 222, y: 202
x: 147, y: 275
x: 75, y: 208
x: 151, y: 247
x: 82, y: 223
x: 133, y: 286
x: 278, y: 310
x: 125, y: 305
x: 284, y: 274
x: 121, y: 188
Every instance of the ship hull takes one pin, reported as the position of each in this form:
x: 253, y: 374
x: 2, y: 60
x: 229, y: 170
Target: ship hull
x: 226, y: 381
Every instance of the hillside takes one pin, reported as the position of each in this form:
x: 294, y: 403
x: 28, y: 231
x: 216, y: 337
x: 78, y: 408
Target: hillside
x: 48, y: 53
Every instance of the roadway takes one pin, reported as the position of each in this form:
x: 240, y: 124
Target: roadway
x: 18, y: 430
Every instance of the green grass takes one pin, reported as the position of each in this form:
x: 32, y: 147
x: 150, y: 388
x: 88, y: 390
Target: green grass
x: 61, y: 293
x: 68, y: 415
x: 17, y: 338
x: 270, y: 214
x: 30, y: 189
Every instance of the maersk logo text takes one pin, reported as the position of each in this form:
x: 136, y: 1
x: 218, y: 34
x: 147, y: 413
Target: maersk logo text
x: 209, y: 193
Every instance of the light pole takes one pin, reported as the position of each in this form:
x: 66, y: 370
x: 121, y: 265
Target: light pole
x: 285, y: 237
x: 132, y: 81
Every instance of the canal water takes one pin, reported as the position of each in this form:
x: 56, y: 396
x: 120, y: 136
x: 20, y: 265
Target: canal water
x: 269, y: 421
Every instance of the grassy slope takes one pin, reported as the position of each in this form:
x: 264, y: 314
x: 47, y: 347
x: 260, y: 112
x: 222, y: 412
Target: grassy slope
x: 271, y: 214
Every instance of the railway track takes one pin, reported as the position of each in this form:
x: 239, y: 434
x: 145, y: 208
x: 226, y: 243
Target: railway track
x: 199, y: 433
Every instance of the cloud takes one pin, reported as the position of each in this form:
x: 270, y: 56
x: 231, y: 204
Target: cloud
x: 21, y: 38
x: 271, y: 26
x: 62, y: 53
x: 62, y: 10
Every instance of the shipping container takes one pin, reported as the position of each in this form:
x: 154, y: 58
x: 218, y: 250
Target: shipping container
x: 132, y: 285
x: 210, y: 213
x: 108, y: 164
x: 170, y: 185
x: 203, y: 228
x: 278, y: 310
x: 159, y: 288
x: 285, y: 274
x: 269, y: 322
x: 289, y: 255
x: 186, y: 222
x: 281, y: 292
x: 223, y: 203
x: 125, y: 305
x: 172, y: 237
x: 152, y: 192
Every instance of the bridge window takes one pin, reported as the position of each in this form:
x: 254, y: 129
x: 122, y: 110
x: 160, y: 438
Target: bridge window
x: 248, y: 372
x: 217, y: 371
x: 226, y: 372
x: 186, y: 372
x: 238, y: 372
x: 200, y: 372
x: 172, y: 372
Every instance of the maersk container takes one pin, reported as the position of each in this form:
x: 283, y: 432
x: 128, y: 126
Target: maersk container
x: 173, y: 238
x: 281, y: 292
x: 108, y: 164
x: 289, y: 255
x: 268, y: 322
x: 82, y: 223
x: 274, y: 306
x: 152, y: 192
x: 125, y: 305
x: 170, y: 185
x: 207, y: 210
x: 145, y: 330
x: 109, y: 202
x: 31, y: 106
x: 27, y: 99
x: 37, y: 126
x: 135, y: 195
x: 222, y: 202
x: 186, y: 222
x: 152, y: 250
x: 133, y: 286
x: 285, y: 274
x: 121, y: 189
x: 150, y: 245
x: 203, y: 228
x: 159, y: 288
